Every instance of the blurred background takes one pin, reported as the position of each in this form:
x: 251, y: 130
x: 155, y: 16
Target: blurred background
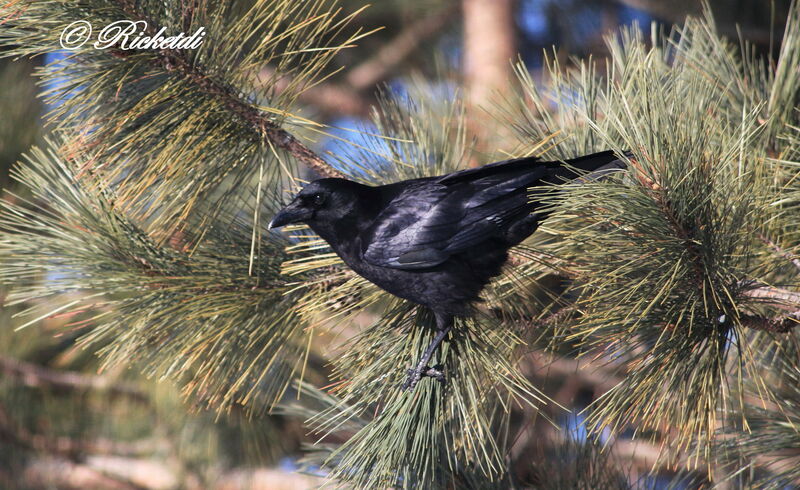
x: 63, y: 425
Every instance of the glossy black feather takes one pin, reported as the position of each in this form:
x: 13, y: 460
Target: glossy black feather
x: 436, y: 241
x: 433, y: 219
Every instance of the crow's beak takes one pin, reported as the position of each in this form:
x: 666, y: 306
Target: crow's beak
x: 290, y: 214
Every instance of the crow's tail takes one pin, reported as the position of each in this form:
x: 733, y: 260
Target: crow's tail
x: 587, y: 168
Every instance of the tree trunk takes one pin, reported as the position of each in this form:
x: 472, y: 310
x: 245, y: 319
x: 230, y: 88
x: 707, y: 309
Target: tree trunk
x: 489, y: 46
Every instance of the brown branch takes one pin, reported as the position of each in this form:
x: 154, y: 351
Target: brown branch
x: 70, y: 448
x: 378, y: 68
x: 778, y: 297
x: 54, y: 472
x: 346, y: 98
x: 117, y: 473
x: 174, y: 60
x: 37, y: 376
x: 783, y: 324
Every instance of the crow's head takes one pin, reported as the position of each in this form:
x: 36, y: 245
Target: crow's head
x: 321, y: 201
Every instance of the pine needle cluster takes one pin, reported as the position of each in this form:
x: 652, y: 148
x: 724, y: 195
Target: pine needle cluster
x: 680, y: 269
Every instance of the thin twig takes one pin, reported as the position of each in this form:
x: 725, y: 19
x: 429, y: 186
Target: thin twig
x: 378, y: 67
x: 775, y: 297
x: 346, y: 98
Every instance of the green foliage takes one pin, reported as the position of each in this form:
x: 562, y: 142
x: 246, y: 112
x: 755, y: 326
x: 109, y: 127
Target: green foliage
x: 183, y: 129
x: 771, y: 432
x: 665, y: 261
x: 203, y: 318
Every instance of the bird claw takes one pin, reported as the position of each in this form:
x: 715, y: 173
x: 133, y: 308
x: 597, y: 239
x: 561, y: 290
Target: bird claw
x: 415, y: 375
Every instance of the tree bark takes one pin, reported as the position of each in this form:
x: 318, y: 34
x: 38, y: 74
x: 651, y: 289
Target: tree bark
x: 489, y: 46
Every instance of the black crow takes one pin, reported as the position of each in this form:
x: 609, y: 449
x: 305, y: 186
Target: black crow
x: 435, y: 241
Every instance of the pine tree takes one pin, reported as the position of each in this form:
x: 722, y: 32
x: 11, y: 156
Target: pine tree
x: 144, y: 215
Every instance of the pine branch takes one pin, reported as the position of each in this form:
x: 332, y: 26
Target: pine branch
x: 228, y: 137
x: 163, y: 307
x: 656, y: 258
x: 783, y: 324
x: 778, y: 297
x: 174, y: 60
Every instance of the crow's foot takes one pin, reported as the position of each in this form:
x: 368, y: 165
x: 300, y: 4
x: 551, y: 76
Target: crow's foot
x: 414, y: 375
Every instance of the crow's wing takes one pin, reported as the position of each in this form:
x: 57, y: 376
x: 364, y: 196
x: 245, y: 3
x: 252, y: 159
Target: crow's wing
x: 428, y: 222
x: 432, y: 219
x: 489, y: 170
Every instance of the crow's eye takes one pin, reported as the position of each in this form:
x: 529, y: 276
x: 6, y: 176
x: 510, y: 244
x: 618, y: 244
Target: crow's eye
x: 317, y: 199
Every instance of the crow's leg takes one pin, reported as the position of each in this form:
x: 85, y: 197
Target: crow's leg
x: 443, y: 325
